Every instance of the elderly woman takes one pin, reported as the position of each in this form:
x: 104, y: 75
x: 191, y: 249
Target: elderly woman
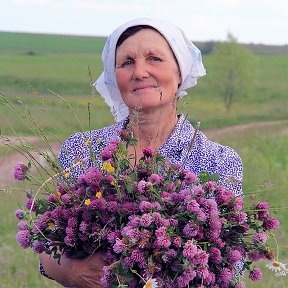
x: 148, y: 65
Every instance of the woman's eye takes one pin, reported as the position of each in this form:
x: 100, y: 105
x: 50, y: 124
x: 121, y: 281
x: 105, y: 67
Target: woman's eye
x: 127, y: 63
x: 154, y: 58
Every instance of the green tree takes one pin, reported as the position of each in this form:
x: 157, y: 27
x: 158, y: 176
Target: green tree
x: 232, y: 73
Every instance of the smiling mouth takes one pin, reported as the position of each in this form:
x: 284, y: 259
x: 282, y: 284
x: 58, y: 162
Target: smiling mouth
x: 145, y: 88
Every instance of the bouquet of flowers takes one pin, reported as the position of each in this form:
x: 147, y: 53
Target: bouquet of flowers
x: 160, y: 226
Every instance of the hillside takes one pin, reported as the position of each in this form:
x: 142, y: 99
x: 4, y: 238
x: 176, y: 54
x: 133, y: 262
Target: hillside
x: 34, y: 44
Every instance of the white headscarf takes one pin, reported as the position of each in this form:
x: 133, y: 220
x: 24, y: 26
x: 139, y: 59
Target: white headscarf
x: 187, y: 54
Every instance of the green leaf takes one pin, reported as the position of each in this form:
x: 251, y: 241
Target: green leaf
x: 205, y: 177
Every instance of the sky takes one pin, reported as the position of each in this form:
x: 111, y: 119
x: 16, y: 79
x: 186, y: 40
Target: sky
x: 250, y: 21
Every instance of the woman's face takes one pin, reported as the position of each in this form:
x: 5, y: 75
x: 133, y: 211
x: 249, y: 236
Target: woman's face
x: 145, y: 65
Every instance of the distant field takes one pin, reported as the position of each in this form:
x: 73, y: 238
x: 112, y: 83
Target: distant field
x: 60, y: 63
x: 39, y: 44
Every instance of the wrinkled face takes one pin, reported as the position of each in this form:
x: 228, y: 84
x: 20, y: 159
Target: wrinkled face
x: 146, y: 66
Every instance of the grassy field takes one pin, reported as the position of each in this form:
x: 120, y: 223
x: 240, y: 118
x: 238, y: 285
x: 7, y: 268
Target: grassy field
x: 61, y: 64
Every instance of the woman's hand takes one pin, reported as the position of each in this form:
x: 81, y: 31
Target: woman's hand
x: 80, y: 273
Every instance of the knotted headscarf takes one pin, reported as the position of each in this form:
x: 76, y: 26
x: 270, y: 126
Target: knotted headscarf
x: 187, y: 54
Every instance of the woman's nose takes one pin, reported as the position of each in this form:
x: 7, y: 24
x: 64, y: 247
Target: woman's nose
x: 140, y: 71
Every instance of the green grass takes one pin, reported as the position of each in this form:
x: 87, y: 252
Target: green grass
x: 63, y: 74
x: 265, y: 160
x: 36, y: 44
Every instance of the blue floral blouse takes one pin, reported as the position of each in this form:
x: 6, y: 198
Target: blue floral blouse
x: 204, y: 155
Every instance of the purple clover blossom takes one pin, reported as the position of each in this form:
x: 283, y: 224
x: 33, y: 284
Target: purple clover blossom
x: 72, y: 222
x: 224, y: 197
x: 177, y: 242
x: 22, y: 225
x: 134, y: 221
x: 113, y: 235
x: 92, y: 178
x: 189, y: 274
x: 52, y: 198
x: 170, y: 254
x: 84, y: 227
x: 173, y: 222
x: 201, y: 216
x: 240, y: 217
x: 138, y: 257
x: 70, y: 231
x: 141, y: 186
x: 255, y: 274
x: 190, y: 229
x: 162, y: 242
x: 132, y: 234
x: 193, y: 206
x: 28, y: 204
x: 262, y: 209
x: 98, y: 204
x: 210, y: 204
x: 238, y: 203
x: 69, y: 240
x: 210, y: 185
x: 259, y: 238
x: 234, y: 256
x: 170, y: 187
x: 145, y: 206
x: 161, y: 232
x: 271, y: 223
x: 38, y: 247
x: 128, y: 208
x: 189, y: 250
x: 23, y: 238
x: 201, y: 258
x: 219, y: 242
x: 20, y: 171
x: 202, y: 272
x: 19, y: 214
x: 198, y: 191
x: 176, y: 197
x: 156, y: 206
x: 215, y: 255
x: 255, y: 256
x: 155, y: 179
x: 112, y: 206
x: 107, y: 152
x: 225, y: 276
x: 127, y: 262
x: 119, y: 246
x: 66, y: 198
x: 148, y: 152
x: 186, y: 194
x: 189, y: 178
x: 209, y: 279
x: 215, y: 224
x: 146, y: 220
x: 182, y: 281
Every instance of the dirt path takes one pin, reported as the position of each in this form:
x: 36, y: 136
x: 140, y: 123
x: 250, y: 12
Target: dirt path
x: 216, y: 132
x: 7, y: 162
